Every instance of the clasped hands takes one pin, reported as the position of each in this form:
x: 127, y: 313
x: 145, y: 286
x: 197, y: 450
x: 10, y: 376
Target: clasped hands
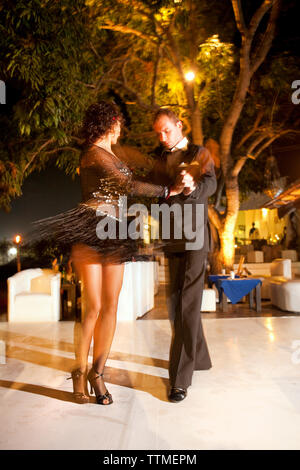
x: 184, y: 183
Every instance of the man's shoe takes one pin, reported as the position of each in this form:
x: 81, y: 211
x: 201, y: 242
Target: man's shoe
x: 177, y: 394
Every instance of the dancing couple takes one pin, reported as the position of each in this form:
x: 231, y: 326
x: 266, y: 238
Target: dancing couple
x: 99, y: 264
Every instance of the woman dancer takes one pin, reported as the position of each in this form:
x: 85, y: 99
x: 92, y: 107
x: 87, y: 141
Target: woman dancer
x: 100, y: 274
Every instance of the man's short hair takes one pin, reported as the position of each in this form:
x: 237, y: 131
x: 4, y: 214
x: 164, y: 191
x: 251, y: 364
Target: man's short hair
x: 166, y: 112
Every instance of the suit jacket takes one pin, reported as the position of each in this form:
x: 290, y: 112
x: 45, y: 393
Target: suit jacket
x: 198, y: 161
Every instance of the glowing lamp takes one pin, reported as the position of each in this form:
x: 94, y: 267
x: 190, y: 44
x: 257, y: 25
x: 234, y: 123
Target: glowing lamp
x: 12, y: 251
x: 190, y: 76
x: 17, y: 239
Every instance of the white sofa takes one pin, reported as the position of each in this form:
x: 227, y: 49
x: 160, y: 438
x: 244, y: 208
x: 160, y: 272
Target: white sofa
x: 279, y: 269
x: 265, y: 271
x: 34, y: 296
x: 285, y: 294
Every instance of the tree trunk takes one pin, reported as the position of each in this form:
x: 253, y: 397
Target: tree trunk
x: 227, y: 232
x: 196, y: 120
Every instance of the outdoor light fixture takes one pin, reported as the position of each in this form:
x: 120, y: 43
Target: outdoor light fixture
x: 17, y: 239
x: 190, y: 76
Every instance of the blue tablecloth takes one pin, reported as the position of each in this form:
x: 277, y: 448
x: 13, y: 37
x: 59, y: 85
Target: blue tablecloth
x: 235, y: 289
x: 215, y: 277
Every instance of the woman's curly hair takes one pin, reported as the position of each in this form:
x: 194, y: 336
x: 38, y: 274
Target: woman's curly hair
x: 99, y: 119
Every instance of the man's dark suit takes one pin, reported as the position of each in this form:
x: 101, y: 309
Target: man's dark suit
x: 189, y: 350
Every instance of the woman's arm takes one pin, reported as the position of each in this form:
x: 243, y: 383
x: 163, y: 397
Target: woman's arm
x: 120, y: 178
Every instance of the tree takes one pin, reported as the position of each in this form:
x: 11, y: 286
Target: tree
x: 46, y: 52
x: 139, y: 51
x: 164, y: 40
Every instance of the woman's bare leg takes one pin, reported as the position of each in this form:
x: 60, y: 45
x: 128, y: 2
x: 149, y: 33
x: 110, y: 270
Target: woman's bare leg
x: 89, y: 271
x: 91, y: 278
x: 112, y: 279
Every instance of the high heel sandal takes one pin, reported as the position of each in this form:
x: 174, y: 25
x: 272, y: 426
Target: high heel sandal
x: 93, y: 375
x: 79, y: 397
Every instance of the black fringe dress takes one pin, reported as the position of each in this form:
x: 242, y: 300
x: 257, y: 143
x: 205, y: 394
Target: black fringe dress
x: 104, y: 180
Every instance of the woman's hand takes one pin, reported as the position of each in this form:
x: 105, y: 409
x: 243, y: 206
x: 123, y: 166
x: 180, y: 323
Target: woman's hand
x: 189, y: 183
x: 177, y: 187
x: 184, y: 183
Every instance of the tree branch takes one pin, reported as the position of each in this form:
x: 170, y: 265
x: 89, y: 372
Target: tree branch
x: 132, y: 92
x: 215, y: 217
x: 59, y: 149
x: 155, y: 74
x: 239, y: 165
x: 239, y: 16
x: 274, y: 137
x: 245, y: 74
x: 258, y: 16
x: 252, y: 131
x: 33, y: 156
x: 261, y: 51
x: 257, y: 141
x: 127, y: 30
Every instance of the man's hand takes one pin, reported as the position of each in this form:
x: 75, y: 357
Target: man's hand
x: 189, y: 183
x: 184, y: 183
x: 177, y: 187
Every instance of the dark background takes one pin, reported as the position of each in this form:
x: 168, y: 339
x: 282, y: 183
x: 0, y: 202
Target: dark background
x: 45, y: 193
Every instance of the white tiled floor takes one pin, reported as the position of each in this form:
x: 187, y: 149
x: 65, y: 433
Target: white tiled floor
x: 250, y: 399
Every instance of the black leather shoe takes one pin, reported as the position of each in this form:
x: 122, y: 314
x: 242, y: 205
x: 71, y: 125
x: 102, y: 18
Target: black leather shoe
x: 177, y: 394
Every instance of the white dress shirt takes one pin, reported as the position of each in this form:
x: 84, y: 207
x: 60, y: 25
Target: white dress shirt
x: 182, y: 145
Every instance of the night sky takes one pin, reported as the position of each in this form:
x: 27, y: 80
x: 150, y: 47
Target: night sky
x: 45, y: 193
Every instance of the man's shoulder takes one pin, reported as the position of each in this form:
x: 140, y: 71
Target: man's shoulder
x: 201, y: 154
x: 195, y: 146
x: 157, y: 152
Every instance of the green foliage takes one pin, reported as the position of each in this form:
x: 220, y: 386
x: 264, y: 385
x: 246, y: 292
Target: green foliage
x: 45, y: 61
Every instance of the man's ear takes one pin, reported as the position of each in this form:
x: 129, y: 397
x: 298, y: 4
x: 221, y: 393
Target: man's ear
x: 179, y: 124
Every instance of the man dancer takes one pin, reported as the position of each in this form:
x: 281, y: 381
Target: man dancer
x: 189, y: 350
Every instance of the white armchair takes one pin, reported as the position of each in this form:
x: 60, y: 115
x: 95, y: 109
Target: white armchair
x: 285, y: 294
x: 279, y: 269
x: 34, y: 296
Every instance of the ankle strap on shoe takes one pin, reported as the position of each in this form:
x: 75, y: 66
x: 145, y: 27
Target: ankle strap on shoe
x: 76, y: 374
x: 98, y: 375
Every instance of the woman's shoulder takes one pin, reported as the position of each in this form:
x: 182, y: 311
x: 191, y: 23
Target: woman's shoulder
x: 91, y: 155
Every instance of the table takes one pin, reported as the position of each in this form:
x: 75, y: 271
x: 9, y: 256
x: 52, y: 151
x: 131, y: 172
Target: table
x: 236, y: 289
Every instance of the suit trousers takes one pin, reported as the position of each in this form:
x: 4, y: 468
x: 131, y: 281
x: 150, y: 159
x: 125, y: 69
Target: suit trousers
x: 189, y: 349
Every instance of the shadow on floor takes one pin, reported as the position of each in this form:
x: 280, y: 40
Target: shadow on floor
x: 155, y: 385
